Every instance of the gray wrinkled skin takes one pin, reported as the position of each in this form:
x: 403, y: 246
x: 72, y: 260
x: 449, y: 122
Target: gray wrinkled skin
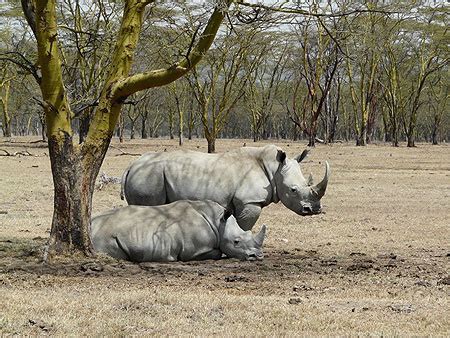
x: 183, y: 230
x: 244, y: 180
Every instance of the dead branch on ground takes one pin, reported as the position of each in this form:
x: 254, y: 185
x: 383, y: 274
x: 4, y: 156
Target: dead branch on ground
x: 16, y: 153
x: 124, y: 153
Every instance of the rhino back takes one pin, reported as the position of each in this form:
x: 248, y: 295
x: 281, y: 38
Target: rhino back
x: 144, y: 183
x: 162, y: 233
x: 166, y: 177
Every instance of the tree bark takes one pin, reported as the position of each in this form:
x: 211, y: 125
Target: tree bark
x: 73, y: 188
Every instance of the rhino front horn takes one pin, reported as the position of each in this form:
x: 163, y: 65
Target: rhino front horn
x: 259, y: 238
x: 320, y: 187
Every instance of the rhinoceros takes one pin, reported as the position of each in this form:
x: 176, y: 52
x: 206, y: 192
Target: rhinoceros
x: 245, y: 180
x: 182, y: 230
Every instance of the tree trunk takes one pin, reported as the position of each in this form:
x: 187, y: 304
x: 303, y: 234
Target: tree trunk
x: 144, y: 133
x: 312, y: 141
x: 211, y: 145
x: 73, y: 179
x: 362, y: 138
x: 434, y: 138
x: 6, y: 117
x: 255, y: 136
x: 121, y: 127
x: 180, y: 127
x: 333, y: 128
x: 6, y: 126
x: 410, y: 139
x: 312, y: 134
x: 84, y: 125
x: 43, y: 127
x: 394, y: 133
x: 132, y: 123
x: 171, y: 136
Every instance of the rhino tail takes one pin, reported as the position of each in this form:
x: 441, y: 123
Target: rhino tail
x: 122, y: 183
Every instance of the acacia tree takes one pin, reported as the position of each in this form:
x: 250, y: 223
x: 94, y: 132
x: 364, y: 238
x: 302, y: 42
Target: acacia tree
x: 413, y: 54
x: 264, y: 71
x: 429, y: 62
x: 179, y: 93
x: 319, y: 60
x: 363, y: 68
x: 75, y: 167
x: 220, y: 84
x: 438, y: 96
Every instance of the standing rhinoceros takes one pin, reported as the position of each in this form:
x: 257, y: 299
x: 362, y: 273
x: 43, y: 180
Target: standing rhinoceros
x: 244, y: 180
x: 183, y: 230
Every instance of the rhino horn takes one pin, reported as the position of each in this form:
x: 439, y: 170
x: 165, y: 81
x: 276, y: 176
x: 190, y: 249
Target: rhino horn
x: 259, y: 238
x: 320, y: 187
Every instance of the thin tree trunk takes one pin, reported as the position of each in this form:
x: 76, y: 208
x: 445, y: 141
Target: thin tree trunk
x: 362, y: 137
x: 180, y: 127
x: 144, y: 133
x: 211, y: 145
x: 132, y: 129
x: 434, y: 138
x: 410, y: 139
x: 121, y: 126
x: 6, y: 117
x: 171, y: 125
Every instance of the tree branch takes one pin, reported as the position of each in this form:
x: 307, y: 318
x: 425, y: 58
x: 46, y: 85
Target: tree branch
x: 288, y: 10
x: 160, y: 77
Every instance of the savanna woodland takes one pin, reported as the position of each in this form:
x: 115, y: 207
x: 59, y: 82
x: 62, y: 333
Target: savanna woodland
x: 81, y: 72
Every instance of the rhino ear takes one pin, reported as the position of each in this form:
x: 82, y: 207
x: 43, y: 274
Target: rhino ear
x: 227, y: 213
x: 281, y: 156
x: 302, y: 156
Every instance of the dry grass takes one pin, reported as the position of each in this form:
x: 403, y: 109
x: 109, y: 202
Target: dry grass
x: 375, y: 263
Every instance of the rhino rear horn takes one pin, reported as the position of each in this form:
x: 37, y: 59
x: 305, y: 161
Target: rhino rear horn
x: 302, y: 156
x: 310, y: 181
x: 259, y: 238
x: 320, y: 187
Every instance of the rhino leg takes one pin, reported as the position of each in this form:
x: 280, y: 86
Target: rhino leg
x: 247, y: 215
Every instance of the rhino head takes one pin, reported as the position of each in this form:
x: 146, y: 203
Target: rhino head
x: 237, y: 243
x: 294, y: 191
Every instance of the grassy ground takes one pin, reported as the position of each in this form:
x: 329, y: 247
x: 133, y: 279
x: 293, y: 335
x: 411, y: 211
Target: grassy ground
x: 376, y: 262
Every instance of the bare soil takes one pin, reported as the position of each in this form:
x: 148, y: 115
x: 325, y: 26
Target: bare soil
x: 375, y: 263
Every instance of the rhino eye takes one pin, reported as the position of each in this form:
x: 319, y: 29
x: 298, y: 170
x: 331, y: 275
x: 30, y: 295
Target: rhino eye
x: 236, y: 242
x: 294, y: 189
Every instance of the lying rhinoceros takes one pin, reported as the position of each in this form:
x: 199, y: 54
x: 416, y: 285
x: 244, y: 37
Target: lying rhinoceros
x: 183, y: 230
x: 244, y: 180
